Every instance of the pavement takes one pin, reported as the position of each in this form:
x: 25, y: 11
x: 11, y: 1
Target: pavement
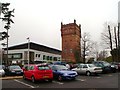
x: 10, y: 77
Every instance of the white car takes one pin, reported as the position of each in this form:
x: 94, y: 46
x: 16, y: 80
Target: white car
x: 87, y: 69
x: 2, y: 72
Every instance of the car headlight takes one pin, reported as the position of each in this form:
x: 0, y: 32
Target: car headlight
x: 112, y: 66
x: 76, y: 73
x: 65, y: 74
x: 13, y: 71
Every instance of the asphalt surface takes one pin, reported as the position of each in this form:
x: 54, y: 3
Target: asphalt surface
x: 102, y: 81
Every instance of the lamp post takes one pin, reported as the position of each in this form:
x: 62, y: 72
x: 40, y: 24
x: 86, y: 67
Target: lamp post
x: 2, y: 54
x: 28, y: 50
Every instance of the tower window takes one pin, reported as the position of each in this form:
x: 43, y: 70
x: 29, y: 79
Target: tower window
x: 71, y: 50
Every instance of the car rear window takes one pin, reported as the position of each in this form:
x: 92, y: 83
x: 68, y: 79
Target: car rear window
x: 43, y: 68
x: 15, y: 67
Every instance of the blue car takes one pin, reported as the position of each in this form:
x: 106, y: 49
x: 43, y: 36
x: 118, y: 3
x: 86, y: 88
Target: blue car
x: 61, y: 72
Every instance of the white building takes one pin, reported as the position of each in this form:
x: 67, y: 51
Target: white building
x: 37, y: 52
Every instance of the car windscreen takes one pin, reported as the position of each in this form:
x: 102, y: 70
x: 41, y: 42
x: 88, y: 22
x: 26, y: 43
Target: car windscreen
x: 0, y: 67
x: 61, y: 67
x: 14, y: 67
x: 43, y: 68
x: 106, y: 64
x: 91, y: 65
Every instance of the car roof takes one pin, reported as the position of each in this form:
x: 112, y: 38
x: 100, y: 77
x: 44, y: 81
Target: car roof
x: 41, y: 64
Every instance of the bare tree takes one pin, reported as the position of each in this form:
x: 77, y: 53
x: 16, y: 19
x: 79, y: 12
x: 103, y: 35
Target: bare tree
x: 109, y: 38
x: 94, y: 50
x: 102, y: 55
x: 86, y: 45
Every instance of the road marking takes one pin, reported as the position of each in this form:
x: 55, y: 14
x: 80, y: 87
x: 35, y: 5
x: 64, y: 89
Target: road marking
x: 110, y: 75
x: 81, y: 80
x: 97, y: 77
x: 57, y: 82
x: 24, y: 83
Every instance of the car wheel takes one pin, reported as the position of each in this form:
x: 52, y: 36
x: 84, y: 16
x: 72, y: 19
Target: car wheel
x: 50, y: 80
x: 24, y: 77
x: 59, y: 78
x: 74, y: 78
x: 88, y: 73
x: 33, y: 79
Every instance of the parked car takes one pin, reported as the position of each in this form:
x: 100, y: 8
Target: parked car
x: 106, y: 67
x: 37, y: 72
x: 88, y: 69
x: 61, y: 72
x: 13, y: 70
x: 2, y: 72
x: 116, y: 65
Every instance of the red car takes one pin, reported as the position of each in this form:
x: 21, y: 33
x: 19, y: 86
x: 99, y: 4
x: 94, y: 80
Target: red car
x: 36, y: 72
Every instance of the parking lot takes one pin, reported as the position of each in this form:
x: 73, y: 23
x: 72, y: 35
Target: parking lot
x: 109, y: 80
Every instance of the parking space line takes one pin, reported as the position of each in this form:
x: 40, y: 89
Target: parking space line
x: 110, y: 75
x: 57, y: 82
x: 81, y: 80
x: 24, y: 83
x: 97, y: 77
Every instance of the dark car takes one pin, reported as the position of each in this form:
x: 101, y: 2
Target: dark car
x: 106, y: 67
x: 13, y: 70
x: 116, y: 65
x: 61, y: 72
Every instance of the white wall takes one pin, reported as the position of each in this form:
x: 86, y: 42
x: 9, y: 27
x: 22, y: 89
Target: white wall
x: 35, y: 52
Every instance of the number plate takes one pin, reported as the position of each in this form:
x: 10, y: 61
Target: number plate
x: 45, y: 76
x: 18, y: 72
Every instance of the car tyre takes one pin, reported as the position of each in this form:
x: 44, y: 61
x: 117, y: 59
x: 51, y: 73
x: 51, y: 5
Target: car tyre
x: 24, y: 77
x: 33, y: 79
x: 88, y: 73
x: 50, y: 80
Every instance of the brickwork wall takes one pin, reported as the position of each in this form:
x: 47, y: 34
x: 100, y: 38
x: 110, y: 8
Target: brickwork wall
x: 71, y: 34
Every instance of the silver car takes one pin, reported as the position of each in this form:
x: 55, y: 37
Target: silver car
x: 2, y: 72
x: 87, y: 69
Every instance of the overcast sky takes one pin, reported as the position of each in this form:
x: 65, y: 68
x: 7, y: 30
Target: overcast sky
x: 41, y: 19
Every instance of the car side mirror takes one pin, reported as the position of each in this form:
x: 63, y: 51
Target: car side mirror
x: 24, y: 69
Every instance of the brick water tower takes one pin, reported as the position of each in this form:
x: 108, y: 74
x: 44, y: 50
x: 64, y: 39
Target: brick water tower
x: 71, y: 42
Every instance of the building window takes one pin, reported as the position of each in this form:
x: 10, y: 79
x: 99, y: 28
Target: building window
x: 38, y: 55
x: 50, y: 57
x: 44, y: 57
x: 55, y: 58
x: 58, y: 58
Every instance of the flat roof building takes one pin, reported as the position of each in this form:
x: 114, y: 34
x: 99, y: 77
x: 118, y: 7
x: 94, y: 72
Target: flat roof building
x: 37, y: 52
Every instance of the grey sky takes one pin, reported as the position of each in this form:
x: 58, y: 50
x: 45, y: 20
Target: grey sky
x: 41, y: 19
